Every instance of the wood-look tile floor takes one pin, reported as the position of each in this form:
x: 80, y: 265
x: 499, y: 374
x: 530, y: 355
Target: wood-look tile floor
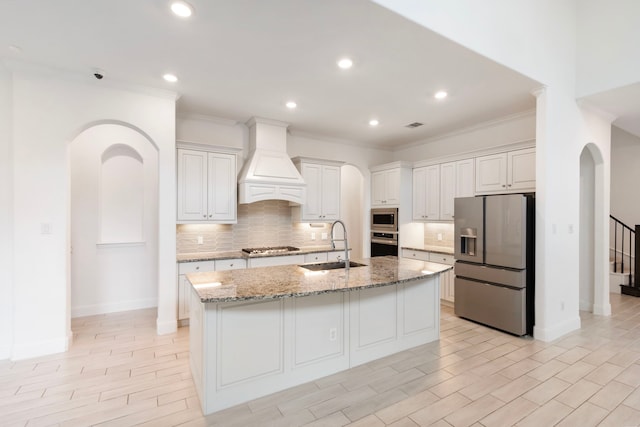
x: 120, y: 373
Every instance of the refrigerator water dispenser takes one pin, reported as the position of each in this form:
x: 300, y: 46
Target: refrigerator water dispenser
x: 468, y: 238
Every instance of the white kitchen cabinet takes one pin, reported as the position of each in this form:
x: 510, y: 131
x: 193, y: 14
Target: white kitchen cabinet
x: 184, y: 287
x: 446, y: 278
x: 435, y: 188
x: 447, y: 190
x: 415, y: 254
x: 337, y: 255
x: 513, y: 171
x: 206, y: 186
x: 276, y: 260
x: 315, y: 257
x: 465, y: 178
x: 385, y: 188
x: 426, y: 193
x: 323, y: 189
x: 231, y: 264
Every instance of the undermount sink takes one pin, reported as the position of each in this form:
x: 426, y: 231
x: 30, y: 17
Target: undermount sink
x: 330, y: 265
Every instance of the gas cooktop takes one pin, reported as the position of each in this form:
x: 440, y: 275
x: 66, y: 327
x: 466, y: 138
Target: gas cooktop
x: 270, y: 250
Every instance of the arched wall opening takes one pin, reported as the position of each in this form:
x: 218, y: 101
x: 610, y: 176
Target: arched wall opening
x: 594, y: 246
x: 113, y: 220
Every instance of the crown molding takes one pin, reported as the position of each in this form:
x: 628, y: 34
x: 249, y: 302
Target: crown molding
x: 468, y: 129
x: 186, y: 115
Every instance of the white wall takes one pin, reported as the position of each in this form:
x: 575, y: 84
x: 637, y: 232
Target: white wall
x: 6, y: 216
x: 608, y: 34
x: 625, y: 176
x: 49, y: 111
x: 538, y: 39
x: 353, y: 208
x: 508, y: 130
x: 113, y: 269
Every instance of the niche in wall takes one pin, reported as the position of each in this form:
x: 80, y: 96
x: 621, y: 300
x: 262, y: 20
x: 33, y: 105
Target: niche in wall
x: 121, y: 195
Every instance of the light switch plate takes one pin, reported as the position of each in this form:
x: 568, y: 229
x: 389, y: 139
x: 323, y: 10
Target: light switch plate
x: 324, y: 236
x: 200, y: 240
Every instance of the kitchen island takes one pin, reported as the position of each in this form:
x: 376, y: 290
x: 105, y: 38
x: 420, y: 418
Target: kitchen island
x: 257, y: 331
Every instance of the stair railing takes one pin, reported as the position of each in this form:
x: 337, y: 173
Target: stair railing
x: 626, y: 235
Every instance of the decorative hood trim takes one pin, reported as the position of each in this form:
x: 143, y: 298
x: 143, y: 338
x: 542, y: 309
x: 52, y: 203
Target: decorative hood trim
x: 269, y: 173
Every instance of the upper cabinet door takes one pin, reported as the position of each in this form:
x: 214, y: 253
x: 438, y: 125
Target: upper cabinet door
x: 331, y: 192
x: 521, y: 170
x: 447, y: 190
x: 465, y: 178
x: 392, y: 187
x: 207, y: 187
x: 312, y: 174
x: 378, y: 188
x: 192, y: 185
x: 222, y: 187
x: 419, y: 194
x: 491, y: 173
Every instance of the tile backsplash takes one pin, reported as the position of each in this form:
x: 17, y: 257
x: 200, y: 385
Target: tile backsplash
x: 267, y: 223
x: 433, y: 229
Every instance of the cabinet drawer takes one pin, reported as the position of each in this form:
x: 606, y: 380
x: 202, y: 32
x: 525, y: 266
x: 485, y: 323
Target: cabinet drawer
x: 336, y: 256
x: 276, y: 260
x: 316, y: 257
x: 441, y: 258
x: 197, y: 266
x: 231, y: 264
x: 413, y: 254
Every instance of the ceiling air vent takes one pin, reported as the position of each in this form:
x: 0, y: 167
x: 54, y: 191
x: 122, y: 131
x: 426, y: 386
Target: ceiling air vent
x: 414, y: 125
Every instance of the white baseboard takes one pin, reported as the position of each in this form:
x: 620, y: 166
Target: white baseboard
x: 40, y: 348
x: 164, y: 327
x: 602, y: 310
x: 113, y: 307
x: 556, y: 331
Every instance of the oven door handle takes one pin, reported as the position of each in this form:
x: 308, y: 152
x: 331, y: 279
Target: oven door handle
x: 385, y: 242
x: 395, y: 233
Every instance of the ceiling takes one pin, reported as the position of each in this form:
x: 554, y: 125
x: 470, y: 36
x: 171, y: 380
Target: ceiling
x: 241, y: 58
x: 623, y: 103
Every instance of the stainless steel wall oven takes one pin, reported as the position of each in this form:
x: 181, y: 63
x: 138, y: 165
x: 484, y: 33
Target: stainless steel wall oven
x: 384, y: 232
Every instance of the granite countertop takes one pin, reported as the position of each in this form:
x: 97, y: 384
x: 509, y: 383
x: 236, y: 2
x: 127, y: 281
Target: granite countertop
x: 208, y: 256
x: 295, y: 281
x: 436, y: 249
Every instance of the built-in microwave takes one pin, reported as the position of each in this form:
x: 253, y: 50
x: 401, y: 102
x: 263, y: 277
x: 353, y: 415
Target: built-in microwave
x: 384, y: 219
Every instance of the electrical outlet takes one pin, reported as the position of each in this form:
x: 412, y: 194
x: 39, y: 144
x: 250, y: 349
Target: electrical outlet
x: 324, y: 236
x: 313, y: 236
x: 333, y: 334
x: 439, y: 236
x: 200, y: 240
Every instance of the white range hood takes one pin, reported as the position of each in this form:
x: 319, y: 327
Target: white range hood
x: 269, y: 173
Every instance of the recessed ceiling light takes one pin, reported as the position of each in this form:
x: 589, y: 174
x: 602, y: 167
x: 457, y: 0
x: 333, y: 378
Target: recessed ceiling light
x: 291, y: 105
x: 345, y: 63
x: 373, y: 122
x: 170, y: 78
x: 440, y: 95
x: 181, y: 9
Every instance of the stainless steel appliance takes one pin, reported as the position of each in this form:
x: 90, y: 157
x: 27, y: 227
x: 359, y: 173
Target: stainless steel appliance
x: 384, y: 232
x: 270, y: 250
x: 494, y: 251
x: 384, y: 219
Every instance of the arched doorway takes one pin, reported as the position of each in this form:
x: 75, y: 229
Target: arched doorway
x: 113, y: 220
x: 594, y: 243
x: 351, y: 205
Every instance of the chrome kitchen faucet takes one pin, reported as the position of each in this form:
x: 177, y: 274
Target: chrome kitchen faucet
x: 346, y: 242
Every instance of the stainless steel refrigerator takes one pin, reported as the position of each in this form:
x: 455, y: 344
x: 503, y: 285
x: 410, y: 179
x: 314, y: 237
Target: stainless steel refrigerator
x: 495, y: 261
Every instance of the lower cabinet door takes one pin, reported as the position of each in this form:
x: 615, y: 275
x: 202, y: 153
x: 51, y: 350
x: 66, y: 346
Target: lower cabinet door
x: 183, y: 297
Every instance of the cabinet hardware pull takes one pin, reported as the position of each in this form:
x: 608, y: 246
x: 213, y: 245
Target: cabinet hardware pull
x: 503, y: 185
